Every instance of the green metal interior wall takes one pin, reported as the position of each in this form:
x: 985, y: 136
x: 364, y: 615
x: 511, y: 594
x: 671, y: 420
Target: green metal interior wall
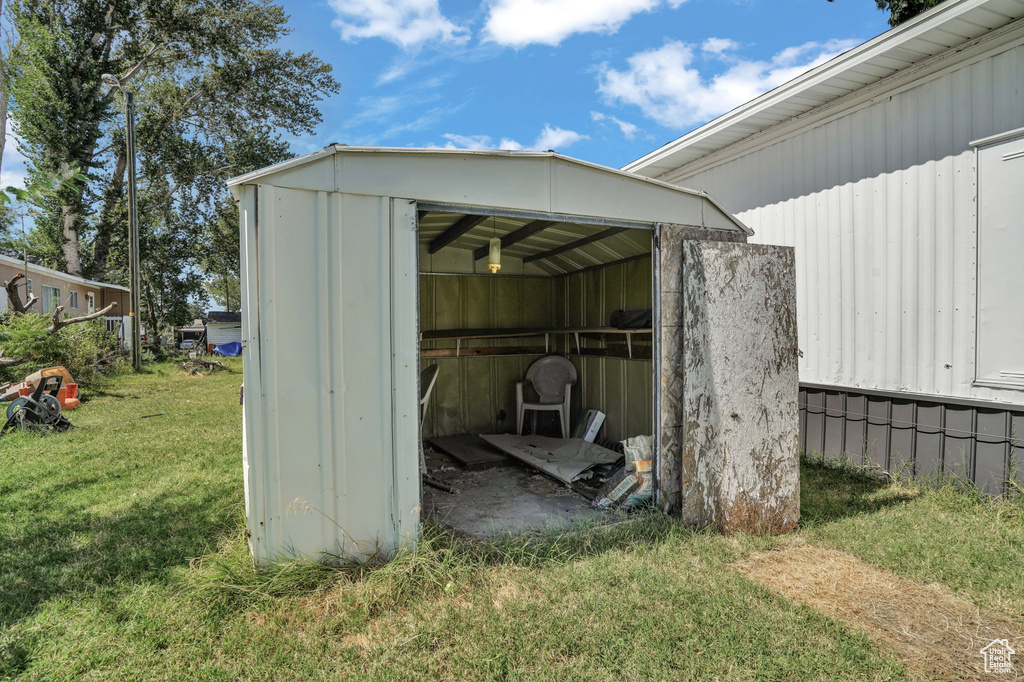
x: 471, y: 391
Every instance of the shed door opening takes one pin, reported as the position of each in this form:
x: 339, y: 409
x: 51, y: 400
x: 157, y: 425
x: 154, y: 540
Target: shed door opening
x: 559, y: 285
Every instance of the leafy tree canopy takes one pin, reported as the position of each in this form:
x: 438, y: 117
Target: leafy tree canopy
x: 213, y: 96
x: 901, y: 10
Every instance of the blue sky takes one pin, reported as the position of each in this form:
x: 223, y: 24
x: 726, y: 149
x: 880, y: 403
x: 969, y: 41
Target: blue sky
x: 606, y: 81
x: 602, y: 80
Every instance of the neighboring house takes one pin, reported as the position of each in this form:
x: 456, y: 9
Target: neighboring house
x: 78, y: 296
x: 895, y: 170
x: 222, y: 327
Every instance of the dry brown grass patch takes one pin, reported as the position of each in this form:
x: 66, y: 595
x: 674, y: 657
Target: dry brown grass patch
x: 932, y: 631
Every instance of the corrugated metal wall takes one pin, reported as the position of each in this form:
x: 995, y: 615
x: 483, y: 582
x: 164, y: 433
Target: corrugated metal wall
x: 879, y: 204
x: 621, y: 388
x: 471, y: 391
x: 330, y: 373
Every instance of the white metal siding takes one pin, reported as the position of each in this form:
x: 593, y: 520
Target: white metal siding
x: 325, y: 392
x: 880, y: 206
x: 223, y: 332
x: 1000, y: 254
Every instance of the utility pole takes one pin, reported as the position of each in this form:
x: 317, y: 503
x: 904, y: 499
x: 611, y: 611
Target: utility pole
x: 133, y: 220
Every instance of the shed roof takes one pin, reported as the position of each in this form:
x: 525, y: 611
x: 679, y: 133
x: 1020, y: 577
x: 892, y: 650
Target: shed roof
x: 469, y: 182
x: 950, y: 24
x: 224, y: 316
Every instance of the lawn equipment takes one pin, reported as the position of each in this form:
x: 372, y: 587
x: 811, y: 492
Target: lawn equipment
x: 39, y: 411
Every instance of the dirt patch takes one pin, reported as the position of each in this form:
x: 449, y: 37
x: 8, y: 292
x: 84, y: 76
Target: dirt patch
x: 931, y: 631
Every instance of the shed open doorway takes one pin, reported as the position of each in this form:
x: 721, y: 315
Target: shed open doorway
x: 561, y: 281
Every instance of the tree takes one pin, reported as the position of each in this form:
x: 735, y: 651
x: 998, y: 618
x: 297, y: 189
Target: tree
x: 221, y: 258
x: 24, y: 328
x: 225, y: 291
x: 902, y: 10
x: 213, y: 95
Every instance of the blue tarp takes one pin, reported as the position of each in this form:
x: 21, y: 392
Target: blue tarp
x: 228, y: 350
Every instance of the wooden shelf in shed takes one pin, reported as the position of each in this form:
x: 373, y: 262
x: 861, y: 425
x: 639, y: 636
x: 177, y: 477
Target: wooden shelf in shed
x: 460, y: 335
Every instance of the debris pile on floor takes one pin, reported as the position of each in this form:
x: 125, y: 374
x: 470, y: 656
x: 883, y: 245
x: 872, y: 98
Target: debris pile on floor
x: 509, y: 484
x: 631, y: 485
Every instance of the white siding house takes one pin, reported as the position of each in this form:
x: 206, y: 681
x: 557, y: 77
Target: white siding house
x: 895, y: 170
x: 223, y: 327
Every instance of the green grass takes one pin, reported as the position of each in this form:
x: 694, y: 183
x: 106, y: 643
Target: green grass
x: 946, y: 533
x: 122, y: 555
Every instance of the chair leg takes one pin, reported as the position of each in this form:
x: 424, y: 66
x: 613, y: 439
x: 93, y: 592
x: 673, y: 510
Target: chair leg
x: 519, y: 421
x: 563, y: 419
x: 423, y: 456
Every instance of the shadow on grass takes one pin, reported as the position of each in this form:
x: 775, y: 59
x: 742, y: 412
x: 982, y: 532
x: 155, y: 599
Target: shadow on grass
x: 830, y: 491
x: 62, y: 551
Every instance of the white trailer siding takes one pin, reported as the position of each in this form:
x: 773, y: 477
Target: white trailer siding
x: 223, y: 332
x: 323, y: 466
x: 879, y: 203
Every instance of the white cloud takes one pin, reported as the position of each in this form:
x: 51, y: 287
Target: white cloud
x: 15, y: 165
x: 467, y: 141
x: 407, y: 23
x: 518, y: 23
x: 669, y: 88
x: 717, y: 46
x: 553, y: 138
x: 629, y: 130
x: 549, y: 138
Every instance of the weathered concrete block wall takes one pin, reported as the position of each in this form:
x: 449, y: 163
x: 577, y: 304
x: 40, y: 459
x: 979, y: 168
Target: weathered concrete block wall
x: 730, y: 420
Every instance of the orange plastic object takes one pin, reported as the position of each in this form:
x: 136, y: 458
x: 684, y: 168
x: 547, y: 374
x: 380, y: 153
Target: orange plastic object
x: 33, y: 379
x: 67, y: 396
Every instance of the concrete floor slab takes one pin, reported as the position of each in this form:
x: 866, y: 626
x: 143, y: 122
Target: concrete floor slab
x: 502, y: 501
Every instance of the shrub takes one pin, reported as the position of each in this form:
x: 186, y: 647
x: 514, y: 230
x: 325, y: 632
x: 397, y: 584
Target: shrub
x: 81, y: 348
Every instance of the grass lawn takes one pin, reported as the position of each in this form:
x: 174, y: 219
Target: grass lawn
x: 122, y: 555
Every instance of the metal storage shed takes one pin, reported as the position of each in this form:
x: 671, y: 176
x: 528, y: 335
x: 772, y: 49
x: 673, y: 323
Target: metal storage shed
x: 333, y: 244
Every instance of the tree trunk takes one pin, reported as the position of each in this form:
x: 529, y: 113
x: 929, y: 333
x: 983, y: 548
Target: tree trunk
x: 70, y: 247
x: 106, y: 226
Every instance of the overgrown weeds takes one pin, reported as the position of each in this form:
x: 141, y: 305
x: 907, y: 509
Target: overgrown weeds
x: 439, y: 561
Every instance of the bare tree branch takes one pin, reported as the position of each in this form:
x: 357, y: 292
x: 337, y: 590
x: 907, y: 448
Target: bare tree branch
x: 138, y: 67
x: 14, y: 296
x: 57, y: 323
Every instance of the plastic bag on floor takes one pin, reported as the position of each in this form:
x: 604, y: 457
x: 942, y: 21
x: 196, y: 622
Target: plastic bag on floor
x: 634, y: 485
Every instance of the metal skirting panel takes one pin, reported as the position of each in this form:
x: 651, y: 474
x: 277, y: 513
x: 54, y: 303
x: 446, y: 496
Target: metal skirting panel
x: 879, y: 203
x: 914, y: 437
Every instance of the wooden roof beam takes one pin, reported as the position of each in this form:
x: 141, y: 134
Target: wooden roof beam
x: 524, y: 232
x: 575, y: 245
x: 461, y: 227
